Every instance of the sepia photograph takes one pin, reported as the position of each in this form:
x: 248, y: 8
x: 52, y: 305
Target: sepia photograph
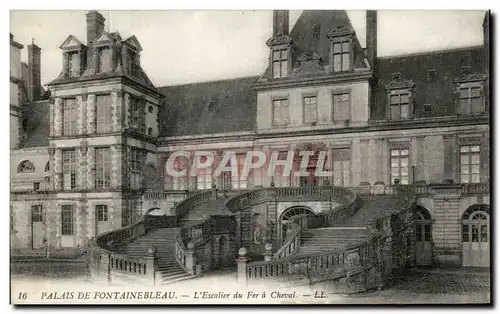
x: 243, y: 157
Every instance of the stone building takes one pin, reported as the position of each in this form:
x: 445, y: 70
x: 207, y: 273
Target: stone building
x: 104, y: 137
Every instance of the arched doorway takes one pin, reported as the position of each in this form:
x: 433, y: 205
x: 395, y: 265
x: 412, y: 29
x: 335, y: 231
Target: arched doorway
x: 423, y: 236
x: 223, y: 252
x: 286, y: 217
x: 476, y: 236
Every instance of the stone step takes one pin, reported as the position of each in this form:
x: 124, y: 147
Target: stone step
x: 166, y: 282
x: 173, y: 276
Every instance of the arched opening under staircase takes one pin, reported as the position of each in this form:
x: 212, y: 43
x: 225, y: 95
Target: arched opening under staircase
x: 286, y: 218
x: 476, y: 236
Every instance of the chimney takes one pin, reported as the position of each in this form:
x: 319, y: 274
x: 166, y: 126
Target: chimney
x: 34, y: 64
x: 371, y: 37
x: 95, y: 25
x: 280, y: 22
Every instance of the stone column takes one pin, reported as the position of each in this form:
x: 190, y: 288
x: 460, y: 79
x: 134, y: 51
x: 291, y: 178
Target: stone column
x: 241, y: 262
x: 58, y: 184
x: 90, y: 168
x: 420, y: 160
x: 58, y: 117
x: 91, y: 114
x: 82, y: 114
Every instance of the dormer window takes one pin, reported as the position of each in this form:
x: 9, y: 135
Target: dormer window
x: 103, y: 59
x: 73, y: 64
x: 132, y: 65
x: 341, y: 56
x: 399, y: 98
x: 341, y: 52
x: 471, y: 99
x: 280, y: 63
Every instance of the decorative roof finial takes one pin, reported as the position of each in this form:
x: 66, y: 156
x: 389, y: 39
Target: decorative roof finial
x: 32, y: 40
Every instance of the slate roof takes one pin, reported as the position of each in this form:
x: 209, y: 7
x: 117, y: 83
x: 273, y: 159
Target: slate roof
x: 209, y: 107
x: 36, y: 122
x: 438, y: 91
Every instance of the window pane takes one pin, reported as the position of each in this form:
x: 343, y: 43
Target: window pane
x: 337, y: 63
x: 395, y: 171
x: 276, y: 55
x: 395, y: 113
x: 345, y: 62
x: 337, y: 48
x: 484, y: 233
x: 464, y: 159
x: 394, y: 152
x: 474, y: 148
x: 284, y: 68
x: 404, y: 98
x: 475, y: 233
x: 404, y: 111
x: 276, y: 69
x: 474, y: 178
x: 465, y: 233
x: 476, y: 105
x: 418, y: 231
x: 404, y: 162
x: 345, y: 46
x: 465, y: 178
x: 464, y: 93
x: 464, y: 148
x: 474, y: 158
x: 464, y: 106
x: 474, y: 169
x: 284, y: 54
x: 475, y: 92
x: 403, y: 180
x: 465, y: 169
x: 427, y: 232
x: 394, y: 99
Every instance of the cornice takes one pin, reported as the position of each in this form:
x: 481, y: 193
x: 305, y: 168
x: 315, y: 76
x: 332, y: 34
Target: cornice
x: 300, y: 81
x: 282, y: 39
x: 339, y: 31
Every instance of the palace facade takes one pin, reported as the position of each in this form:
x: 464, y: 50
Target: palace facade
x: 89, y: 155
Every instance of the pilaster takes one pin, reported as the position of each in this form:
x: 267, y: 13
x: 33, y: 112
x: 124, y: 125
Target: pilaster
x: 420, y: 160
x: 90, y: 168
x: 58, y: 184
x: 82, y: 114
x: 82, y: 165
x: 379, y: 160
x: 58, y: 117
x: 116, y: 113
x: 91, y: 112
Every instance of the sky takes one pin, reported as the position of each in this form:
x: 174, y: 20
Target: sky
x: 192, y: 46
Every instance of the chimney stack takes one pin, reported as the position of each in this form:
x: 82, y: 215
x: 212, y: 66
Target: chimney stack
x: 371, y: 37
x: 95, y: 25
x: 281, y: 21
x: 34, y: 64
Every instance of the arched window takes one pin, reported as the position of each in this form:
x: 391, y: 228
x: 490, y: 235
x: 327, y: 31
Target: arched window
x: 26, y: 167
x: 47, y: 166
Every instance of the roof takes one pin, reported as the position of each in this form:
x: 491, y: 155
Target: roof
x: 209, y: 107
x: 36, y: 122
x: 437, y: 91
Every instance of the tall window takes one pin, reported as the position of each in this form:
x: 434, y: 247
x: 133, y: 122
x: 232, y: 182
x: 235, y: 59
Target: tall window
x: 69, y: 169
x: 341, y: 106
x: 204, y: 177
x: 135, y: 160
x: 341, y: 166
x: 399, y: 103
x: 101, y: 212
x: 399, y: 165
x: 70, y: 116
x: 240, y: 180
x: 72, y: 64
x: 310, y: 109
x: 67, y: 220
x: 280, y: 63
x: 36, y: 213
x: 102, y: 166
x: 103, y: 58
x: 471, y: 100
x: 132, y: 66
x: 470, y: 163
x: 137, y: 116
x: 103, y: 113
x: 341, y: 56
x: 281, y: 114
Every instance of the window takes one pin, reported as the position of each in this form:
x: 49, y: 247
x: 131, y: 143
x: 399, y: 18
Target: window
x: 281, y: 114
x: 280, y: 63
x: 73, y: 64
x: 150, y: 131
x: 240, y: 180
x: 103, y: 59
x: 103, y: 113
x: 137, y: 116
x: 471, y: 100
x: 132, y: 66
x: 150, y: 109
x: 67, y: 220
x: 135, y: 160
x: 310, y: 111
x: 399, y: 165
x: 36, y: 213
x: 26, y: 167
x: 36, y: 186
x: 341, y: 56
x: 203, y: 177
x: 69, y: 169
x: 341, y: 166
x: 341, y: 107
x: 399, y: 103
x: 102, y: 166
x: 101, y: 212
x: 470, y: 163
x: 70, y: 116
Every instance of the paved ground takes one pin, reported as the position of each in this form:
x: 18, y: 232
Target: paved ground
x: 421, y: 286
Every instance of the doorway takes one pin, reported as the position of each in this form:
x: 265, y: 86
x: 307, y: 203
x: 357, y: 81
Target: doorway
x: 37, y: 227
x: 476, y: 236
x: 423, y: 236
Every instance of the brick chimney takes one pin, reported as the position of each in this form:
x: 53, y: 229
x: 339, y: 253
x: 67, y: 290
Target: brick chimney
x: 281, y: 22
x: 95, y: 25
x: 371, y: 37
x: 34, y: 63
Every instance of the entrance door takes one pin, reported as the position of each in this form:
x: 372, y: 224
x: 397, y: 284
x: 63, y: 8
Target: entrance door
x: 476, y: 239
x: 101, y: 221
x: 37, y: 226
x: 423, y: 237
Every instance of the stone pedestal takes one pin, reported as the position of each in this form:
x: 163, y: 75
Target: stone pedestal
x: 241, y: 262
x: 268, y: 254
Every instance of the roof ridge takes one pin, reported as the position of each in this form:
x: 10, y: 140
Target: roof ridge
x: 411, y: 54
x: 213, y: 81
